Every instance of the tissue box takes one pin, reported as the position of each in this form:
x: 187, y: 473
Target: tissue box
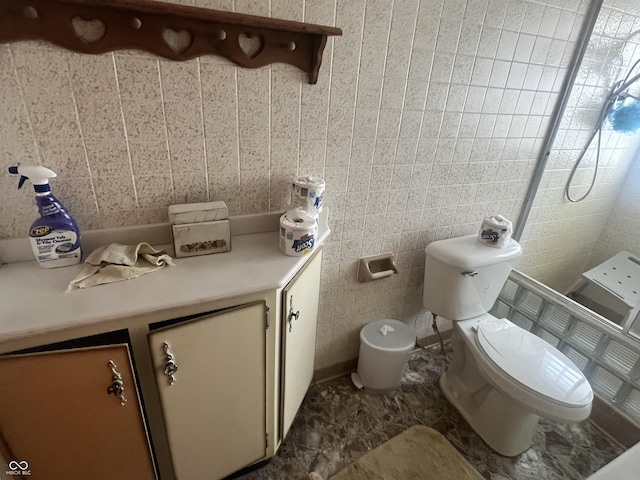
x: 201, y: 238
x: 198, y: 212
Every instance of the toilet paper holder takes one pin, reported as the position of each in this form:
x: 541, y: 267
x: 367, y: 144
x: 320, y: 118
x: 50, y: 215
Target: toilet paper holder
x: 376, y: 267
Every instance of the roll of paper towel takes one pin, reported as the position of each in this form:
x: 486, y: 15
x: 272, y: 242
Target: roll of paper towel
x: 298, y: 233
x: 495, y: 231
x: 308, y: 194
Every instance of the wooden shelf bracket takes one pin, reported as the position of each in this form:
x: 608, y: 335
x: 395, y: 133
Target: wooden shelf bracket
x: 176, y: 32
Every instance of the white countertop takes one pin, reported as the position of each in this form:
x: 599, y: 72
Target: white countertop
x: 32, y: 298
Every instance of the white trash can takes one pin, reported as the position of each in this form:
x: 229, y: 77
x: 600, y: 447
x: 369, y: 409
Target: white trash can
x: 384, y: 348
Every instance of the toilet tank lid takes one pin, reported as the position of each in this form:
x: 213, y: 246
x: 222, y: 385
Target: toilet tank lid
x: 468, y: 252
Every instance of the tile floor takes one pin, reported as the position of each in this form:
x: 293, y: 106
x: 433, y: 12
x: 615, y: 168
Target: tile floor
x: 338, y: 423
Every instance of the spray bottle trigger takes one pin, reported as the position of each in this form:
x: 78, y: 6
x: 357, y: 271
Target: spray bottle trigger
x: 14, y: 171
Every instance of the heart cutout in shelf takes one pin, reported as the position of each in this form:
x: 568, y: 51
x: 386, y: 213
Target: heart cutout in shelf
x: 89, y: 31
x: 250, y: 44
x: 178, y: 41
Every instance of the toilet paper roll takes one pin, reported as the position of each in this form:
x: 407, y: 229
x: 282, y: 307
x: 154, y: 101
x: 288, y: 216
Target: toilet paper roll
x: 308, y: 194
x: 495, y: 231
x: 298, y: 233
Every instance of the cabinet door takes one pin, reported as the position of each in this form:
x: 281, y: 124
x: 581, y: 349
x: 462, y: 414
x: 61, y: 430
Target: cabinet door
x: 57, y: 419
x: 215, y: 407
x: 299, y: 338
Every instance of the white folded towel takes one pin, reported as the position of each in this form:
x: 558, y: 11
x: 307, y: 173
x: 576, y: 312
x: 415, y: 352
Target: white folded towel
x: 115, y: 262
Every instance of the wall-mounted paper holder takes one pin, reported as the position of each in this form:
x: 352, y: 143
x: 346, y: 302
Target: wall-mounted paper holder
x: 376, y: 267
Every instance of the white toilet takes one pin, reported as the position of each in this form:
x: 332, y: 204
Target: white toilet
x: 502, y: 377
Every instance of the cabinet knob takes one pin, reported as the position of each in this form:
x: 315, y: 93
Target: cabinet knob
x: 292, y: 315
x: 117, y: 385
x: 170, y: 367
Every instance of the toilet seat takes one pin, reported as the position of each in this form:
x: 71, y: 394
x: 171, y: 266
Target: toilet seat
x: 533, y: 371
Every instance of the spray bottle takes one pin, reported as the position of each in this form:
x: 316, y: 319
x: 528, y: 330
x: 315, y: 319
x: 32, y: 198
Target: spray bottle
x: 55, y: 237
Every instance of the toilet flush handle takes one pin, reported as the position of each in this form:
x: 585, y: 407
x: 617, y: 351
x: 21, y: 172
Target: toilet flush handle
x: 469, y: 273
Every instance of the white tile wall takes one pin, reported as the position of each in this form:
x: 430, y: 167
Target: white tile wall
x: 427, y: 116
x: 622, y: 229
x: 563, y: 239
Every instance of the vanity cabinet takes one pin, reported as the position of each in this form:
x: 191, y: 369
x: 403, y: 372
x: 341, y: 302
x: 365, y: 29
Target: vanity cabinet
x: 214, y: 376
x: 221, y: 348
x: 300, y: 312
x: 211, y: 377
x: 74, y: 415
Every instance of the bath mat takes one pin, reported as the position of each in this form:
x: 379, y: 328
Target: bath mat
x: 418, y: 453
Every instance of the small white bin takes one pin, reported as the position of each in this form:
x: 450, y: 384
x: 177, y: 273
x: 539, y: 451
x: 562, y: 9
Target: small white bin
x: 384, y: 347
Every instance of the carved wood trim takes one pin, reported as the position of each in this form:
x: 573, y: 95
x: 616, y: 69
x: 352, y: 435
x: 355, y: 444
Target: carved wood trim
x: 172, y: 31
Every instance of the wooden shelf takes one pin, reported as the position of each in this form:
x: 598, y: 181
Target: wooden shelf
x: 172, y: 31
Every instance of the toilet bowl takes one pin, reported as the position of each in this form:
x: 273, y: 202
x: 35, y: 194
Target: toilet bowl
x: 501, y: 378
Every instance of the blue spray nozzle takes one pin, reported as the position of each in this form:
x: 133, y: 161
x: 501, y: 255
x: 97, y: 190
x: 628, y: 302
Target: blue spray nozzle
x: 14, y: 171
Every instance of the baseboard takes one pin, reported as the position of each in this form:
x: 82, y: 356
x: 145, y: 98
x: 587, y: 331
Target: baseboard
x: 434, y: 339
x: 334, y: 371
x: 346, y: 367
x: 615, y: 424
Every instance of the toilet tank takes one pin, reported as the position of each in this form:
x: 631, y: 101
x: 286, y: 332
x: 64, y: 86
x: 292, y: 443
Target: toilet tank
x: 463, y: 277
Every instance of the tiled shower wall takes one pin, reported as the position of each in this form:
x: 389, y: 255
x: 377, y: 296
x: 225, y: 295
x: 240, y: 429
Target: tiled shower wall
x: 622, y: 230
x: 561, y: 239
x: 427, y: 116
